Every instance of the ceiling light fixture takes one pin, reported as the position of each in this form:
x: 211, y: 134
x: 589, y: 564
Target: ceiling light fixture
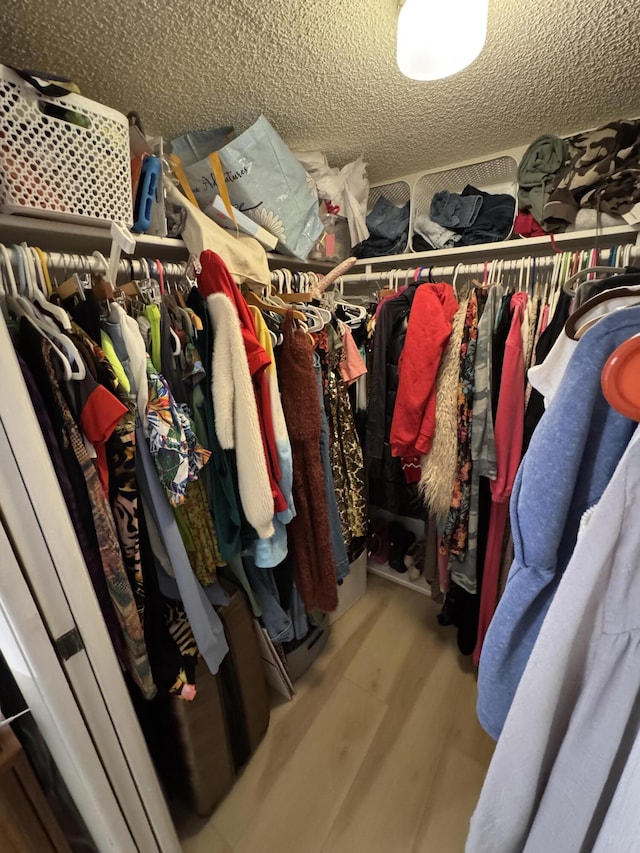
x: 438, y: 38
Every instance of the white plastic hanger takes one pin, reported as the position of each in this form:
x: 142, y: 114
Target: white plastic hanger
x: 44, y: 320
x: 39, y: 297
x: 16, y: 304
x: 456, y: 272
x: 315, y: 320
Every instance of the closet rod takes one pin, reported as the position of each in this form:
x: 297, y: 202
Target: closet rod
x: 506, y: 265
x: 67, y: 263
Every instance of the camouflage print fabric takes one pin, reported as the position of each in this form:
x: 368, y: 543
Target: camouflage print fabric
x: 603, y: 174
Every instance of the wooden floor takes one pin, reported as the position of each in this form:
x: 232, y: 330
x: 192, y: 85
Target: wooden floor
x: 379, y: 752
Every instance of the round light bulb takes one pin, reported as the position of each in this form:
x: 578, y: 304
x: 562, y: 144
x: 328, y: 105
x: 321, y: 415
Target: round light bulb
x: 438, y: 38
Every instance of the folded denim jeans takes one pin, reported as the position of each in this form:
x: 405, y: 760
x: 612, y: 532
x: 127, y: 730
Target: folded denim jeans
x: 437, y: 235
x: 277, y: 622
x: 452, y: 210
x: 387, y: 220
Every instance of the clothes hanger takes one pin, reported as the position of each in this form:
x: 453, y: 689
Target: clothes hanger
x: 456, y: 272
x: 37, y: 269
x: 573, y: 325
x: 619, y: 381
x: 45, y: 270
x: 54, y: 312
x: 252, y: 298
x: 578, y: 275
x: 315, y: 322
x: 103, y: 288
x: 16, y: 304
x: 44, y: 319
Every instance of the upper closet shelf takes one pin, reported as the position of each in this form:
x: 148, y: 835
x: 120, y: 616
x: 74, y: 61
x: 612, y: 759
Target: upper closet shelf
x: 515, y: 248
x: 54, y: 236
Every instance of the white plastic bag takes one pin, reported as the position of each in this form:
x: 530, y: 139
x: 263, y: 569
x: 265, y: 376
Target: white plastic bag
x: 347, y: 189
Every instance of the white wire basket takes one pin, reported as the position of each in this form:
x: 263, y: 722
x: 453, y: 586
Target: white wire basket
x: 398, y: 193
x: 77, y: 170
x: 498, y: 175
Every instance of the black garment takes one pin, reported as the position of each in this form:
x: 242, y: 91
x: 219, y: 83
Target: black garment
x: 377, y: 247
x: 283, y: 575
x: 497, y: 351
x: 70, y: 477
x: 86, y: 314
x: 462, y: 608
x: 387, y: 485
x: 165, y: 657
x: 173, y: 367
x: 494, y: 221
x: 535, y: 408
x: 74, y: 492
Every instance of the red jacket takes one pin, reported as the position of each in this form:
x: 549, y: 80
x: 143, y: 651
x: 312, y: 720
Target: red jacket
x: 216, y: 278
x: 414, y: 414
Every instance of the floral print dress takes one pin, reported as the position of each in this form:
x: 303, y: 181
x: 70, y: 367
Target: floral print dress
x: 456, y: 527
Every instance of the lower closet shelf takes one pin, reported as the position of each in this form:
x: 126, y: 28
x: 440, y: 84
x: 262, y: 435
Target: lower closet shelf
x: 383, y: 570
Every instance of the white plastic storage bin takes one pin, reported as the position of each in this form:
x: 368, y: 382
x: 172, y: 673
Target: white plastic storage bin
x: 61, y: 169
x: 398, y: 193
x: 498, y: 175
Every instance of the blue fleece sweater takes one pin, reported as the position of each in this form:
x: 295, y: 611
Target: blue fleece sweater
x: 572, y: 456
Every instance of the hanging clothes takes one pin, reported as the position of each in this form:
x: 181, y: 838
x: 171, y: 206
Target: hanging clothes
x: 508, y: 438
x: 117, y: 581
x: 219, y: 475
x: 215, y: 278
x: 535, y: 406
x: 388, y: 486
x: 428, y: 331
x: 236, y: 417
x: 575, y: 449
x: 338, y: 541
x: 456, y: 526
x: 176, y: 452
x: 345, y: 452
x: 76, y: 499
x: 309, y: 531
x: 577, y: 697
x: 438, y: 468
x: 198, y: 533
x: 271, y: 552
x: 483, y: 451
x: 204, y: 621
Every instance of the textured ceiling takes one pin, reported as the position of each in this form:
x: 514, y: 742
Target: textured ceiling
x: 324, y: 73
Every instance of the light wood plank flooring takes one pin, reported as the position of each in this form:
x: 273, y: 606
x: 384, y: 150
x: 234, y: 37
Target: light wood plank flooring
x: 379, y: 752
